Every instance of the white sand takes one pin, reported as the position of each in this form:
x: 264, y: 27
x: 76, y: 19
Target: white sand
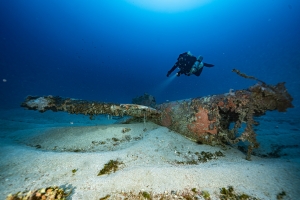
x: 148, y: 152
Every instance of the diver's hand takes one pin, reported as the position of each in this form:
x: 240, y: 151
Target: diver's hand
x: 168, y: 74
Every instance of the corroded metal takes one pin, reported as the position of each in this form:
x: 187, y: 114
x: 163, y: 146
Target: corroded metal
x: 205, y: 119
x: 91, y: 108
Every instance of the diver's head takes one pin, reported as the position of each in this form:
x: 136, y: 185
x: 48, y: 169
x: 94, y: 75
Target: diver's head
x: 200, y: 58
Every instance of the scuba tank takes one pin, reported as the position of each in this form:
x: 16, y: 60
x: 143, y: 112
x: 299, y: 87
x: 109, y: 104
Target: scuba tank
x: 197, y: 65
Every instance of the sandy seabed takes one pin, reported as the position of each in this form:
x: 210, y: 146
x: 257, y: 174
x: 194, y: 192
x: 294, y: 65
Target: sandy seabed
x: 39, y: 150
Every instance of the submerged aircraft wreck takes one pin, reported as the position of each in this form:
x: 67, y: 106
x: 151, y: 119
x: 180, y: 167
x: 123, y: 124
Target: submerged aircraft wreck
x: 205, y: 120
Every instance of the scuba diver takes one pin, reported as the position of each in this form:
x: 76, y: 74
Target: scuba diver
x: 188, y: 65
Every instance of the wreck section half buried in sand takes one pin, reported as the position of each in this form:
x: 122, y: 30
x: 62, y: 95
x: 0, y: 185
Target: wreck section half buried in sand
x: 205, y: 120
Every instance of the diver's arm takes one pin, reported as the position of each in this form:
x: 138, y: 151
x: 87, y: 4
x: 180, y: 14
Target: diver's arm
x: 171, y: 70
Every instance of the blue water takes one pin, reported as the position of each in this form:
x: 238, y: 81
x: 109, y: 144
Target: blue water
x: 116, y: 50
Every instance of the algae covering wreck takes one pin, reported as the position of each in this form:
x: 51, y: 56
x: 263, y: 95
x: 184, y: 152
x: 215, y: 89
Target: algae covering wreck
x: 205, y: 120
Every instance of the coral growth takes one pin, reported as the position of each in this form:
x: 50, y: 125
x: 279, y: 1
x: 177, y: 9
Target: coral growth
x: 39, y: 103
x: 49, y: 193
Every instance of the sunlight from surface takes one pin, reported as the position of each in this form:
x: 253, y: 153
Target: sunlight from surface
x: 168, y: 5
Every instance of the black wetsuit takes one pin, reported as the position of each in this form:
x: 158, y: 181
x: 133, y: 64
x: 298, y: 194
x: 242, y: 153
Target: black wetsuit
x: 185, y: 63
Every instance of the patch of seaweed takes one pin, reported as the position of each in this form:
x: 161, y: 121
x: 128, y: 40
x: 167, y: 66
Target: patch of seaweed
x: 52, y: 192
x: 111, y: 166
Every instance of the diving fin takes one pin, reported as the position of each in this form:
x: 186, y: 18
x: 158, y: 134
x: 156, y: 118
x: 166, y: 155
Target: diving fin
x: 208, y: 65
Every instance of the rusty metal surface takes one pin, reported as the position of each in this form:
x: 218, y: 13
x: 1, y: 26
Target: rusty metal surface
x: 207, y: 119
